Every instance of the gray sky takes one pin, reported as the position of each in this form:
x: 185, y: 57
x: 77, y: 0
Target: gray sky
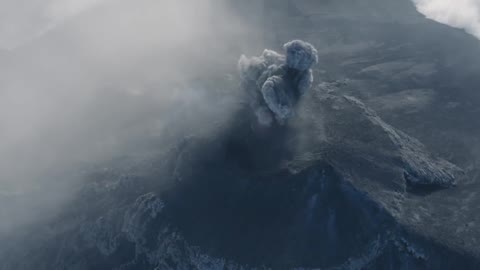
x: 463, y: 14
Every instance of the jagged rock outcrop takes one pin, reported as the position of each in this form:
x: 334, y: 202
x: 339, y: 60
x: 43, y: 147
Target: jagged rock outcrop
x: 351, y: 130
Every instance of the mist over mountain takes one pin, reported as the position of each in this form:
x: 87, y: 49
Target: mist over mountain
x: 127, y: 141
x: 463, y: 14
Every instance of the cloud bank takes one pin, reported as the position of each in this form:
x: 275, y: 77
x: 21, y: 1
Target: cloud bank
x: 463, y: 14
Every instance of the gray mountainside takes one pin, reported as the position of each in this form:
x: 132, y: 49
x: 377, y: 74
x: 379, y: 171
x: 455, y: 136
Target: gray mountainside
x: 228, y: 206
x: 378, y: 169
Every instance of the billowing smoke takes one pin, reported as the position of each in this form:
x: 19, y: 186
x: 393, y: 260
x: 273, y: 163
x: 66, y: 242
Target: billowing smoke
x: 85, y: 81
x: 459, y: 13
x: 276, y: 82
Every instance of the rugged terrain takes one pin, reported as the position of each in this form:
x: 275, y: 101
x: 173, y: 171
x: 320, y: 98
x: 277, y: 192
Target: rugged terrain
x: 377, y: 170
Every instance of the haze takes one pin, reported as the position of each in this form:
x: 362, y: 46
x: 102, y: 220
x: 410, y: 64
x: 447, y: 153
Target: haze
x: 83, y: 82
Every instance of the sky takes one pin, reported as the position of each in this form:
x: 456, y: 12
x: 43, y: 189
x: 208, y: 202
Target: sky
x: 464, y: 14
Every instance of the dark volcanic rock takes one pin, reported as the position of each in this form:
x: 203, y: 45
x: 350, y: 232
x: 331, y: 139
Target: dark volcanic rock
x: 240, y: 201
x: 357, y: 132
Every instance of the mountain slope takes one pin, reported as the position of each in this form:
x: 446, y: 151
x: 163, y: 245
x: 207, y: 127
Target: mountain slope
x: 378, y: 170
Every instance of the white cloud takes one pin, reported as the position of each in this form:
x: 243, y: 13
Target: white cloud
x: 463, y: 14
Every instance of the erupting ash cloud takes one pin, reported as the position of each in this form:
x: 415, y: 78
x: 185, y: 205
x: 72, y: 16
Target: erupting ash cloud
x: 275, y: 82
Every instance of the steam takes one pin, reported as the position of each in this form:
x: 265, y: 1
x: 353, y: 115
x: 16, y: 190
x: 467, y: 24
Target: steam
x: 463, y: 14
x: 24, y: 20
x: 85, y: 81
